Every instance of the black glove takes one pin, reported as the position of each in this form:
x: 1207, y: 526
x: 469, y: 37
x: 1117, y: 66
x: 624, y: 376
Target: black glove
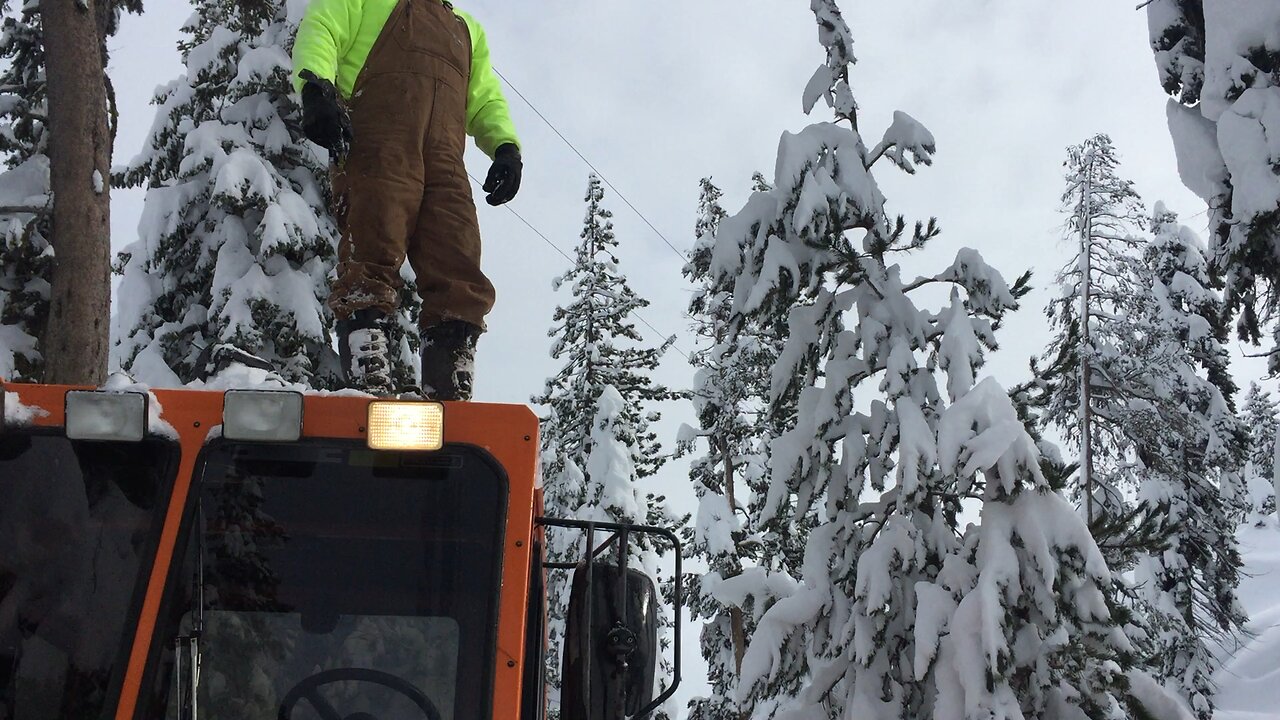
x: 324, y: 120
x: 504, y: 177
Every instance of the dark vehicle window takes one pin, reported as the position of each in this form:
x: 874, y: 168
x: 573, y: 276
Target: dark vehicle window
x: 316, y: 559
x: 79, y: 524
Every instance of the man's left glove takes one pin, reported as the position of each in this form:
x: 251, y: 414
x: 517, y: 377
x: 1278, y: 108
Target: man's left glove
x: 504, y: 176
x: 324, y: 120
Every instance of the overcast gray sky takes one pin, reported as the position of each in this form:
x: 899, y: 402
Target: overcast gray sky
x: 658, y: 95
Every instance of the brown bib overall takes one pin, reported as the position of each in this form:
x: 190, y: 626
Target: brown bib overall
x: 404, y: 191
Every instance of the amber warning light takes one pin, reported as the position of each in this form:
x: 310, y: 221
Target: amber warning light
x: 406, y: 425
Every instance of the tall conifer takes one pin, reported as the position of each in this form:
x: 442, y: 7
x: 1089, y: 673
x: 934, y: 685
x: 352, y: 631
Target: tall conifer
x: 730, y: 400
x: 1190, y: 449
x: 898, y: 611
x: 1104, y: 213
x: 603, y: 355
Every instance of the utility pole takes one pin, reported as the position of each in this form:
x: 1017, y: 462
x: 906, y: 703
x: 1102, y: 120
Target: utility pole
x: 76, y: 340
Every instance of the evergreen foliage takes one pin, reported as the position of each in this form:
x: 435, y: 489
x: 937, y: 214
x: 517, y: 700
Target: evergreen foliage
x: 1260, y: 417
x: 897, y: 611
x: 237, y: 243
x: 1190, y: 459
x: 1224, y: 116
x: 729, y: 396
x: 26, y: 255
x: 26, y: 244
x: 1139, y: 326
x: 1103, y: 214
x: 602, y: 355
x: 1259, y: 414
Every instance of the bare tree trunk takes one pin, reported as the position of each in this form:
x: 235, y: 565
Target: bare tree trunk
x: 75, y: 344
x: 1086, y: 401
x: 737, y: 623
x: 737, y: 627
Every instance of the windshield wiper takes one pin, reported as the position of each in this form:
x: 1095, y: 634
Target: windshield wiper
x: 187, y: 647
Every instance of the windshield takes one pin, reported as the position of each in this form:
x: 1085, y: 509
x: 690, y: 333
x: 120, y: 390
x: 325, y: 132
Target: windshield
x: 78, y: 528
x: 325, y: 574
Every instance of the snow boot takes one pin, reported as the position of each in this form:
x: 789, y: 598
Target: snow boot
x: 365, y: 351
x: 448, y: 360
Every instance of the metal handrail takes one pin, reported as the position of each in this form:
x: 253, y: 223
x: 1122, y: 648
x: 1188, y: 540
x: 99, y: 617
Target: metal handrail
x: 621, y: 529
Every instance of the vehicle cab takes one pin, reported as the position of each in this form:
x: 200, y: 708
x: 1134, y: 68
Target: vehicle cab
x: 249, y: 555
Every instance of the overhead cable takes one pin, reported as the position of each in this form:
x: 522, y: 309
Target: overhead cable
x: 674, y: 249
x: 670, y: 338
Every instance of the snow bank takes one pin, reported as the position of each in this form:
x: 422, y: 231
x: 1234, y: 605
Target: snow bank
x: 1249, y: 682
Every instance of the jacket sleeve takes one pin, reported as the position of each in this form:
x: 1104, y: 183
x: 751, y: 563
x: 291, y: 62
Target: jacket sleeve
x: 324, y: 35
x: 488, y: 116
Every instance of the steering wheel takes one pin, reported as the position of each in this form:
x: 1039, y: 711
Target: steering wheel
x: 307, y: 687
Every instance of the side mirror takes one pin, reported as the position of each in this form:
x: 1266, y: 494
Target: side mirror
x: 611, y: 644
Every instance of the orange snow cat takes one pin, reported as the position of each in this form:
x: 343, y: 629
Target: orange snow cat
x: 265, y: 555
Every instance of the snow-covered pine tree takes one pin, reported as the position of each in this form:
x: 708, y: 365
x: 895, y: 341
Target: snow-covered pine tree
x: 600, y: 348
x: 1188, y: 305
x: 1189, y: 457
x: 1103, y: 214
x: 729, y: 395
x: 897, y: 613
x: 1020, y: 622
x: 715, y: 476
x: 1259, y: 413
x: 1138, y: 378
x: 236, y: 243
x: 1224, y: 116
x: 26, y: 256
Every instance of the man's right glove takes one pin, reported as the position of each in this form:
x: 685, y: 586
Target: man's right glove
x: 324, y: 120
x: 503, y: 181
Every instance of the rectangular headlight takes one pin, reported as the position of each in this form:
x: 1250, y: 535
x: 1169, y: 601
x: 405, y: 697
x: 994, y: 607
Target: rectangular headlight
x: 406, y: 425
x: 262, y: 415
x: 118, y: 416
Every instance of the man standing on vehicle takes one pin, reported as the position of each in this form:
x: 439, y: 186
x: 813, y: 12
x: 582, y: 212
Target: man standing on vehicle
x: 417, y: 78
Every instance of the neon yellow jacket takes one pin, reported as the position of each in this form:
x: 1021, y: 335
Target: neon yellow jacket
x: 336, y: 36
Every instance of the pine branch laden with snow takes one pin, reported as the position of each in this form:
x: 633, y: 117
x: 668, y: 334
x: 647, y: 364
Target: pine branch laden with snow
x: 896, y: 611
x: 1178, y: 40
x: 1220, y: 60
x: 730, y: 397
x: 831, y: 81
x: 603, y: 355
x: 1191, y: 465
x: 26, y: 255
x: 1018, y: 623
x: 236, y: 243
